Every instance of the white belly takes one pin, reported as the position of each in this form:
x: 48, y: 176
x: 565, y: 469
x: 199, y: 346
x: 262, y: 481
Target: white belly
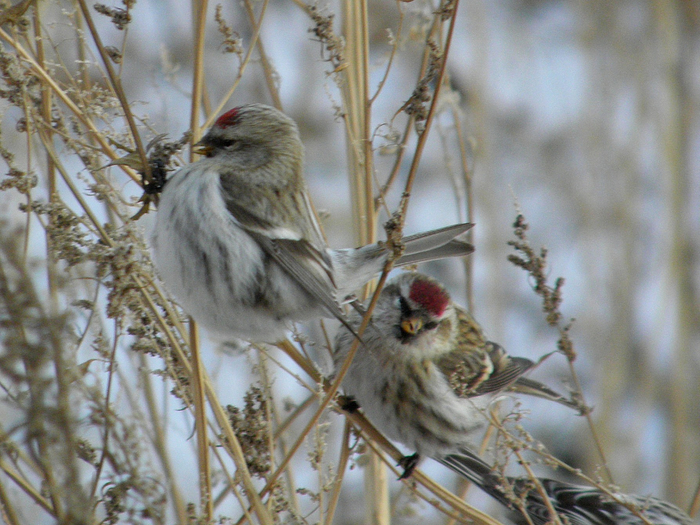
x: 213, y: 267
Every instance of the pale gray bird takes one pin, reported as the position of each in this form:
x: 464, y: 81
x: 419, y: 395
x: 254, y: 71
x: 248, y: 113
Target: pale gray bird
x: 238, y: 245
x: 578, y: 504
x: 426, y: 370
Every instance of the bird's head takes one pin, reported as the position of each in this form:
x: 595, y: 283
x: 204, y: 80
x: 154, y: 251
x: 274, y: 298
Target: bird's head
x: 253, y: 126
x: 419, y: 312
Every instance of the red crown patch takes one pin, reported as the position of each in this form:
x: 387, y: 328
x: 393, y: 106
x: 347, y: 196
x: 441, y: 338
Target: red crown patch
x: 430, y: 296
x: 228, y: 119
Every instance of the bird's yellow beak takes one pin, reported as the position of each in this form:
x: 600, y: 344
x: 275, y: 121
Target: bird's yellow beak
x: 412, y: 325
x: 202, y: 149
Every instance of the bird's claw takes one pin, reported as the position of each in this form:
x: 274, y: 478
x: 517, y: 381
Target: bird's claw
x: 408, y: 464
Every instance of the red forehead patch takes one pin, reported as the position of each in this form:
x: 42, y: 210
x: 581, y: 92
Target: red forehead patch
x: 430, y: 296
x: 228, y: 119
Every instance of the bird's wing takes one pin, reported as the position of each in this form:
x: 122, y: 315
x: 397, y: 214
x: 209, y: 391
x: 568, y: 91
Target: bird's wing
x: 511, y: 369
x: 304, y: 259
x: 279, y: 213
x: 506, y: 371
x: 476, y: 366
x: 309, y: 267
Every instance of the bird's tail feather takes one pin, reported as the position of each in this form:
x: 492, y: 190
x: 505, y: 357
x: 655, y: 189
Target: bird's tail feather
x: 453, y: 248
x: 427, y: 241
x: 361, y: 265
x: 476, y: 470
x: 534, y: 388
x: 577, y: 504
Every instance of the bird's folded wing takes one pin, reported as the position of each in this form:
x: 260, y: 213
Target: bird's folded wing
x: 476, y: 366
x: 506, y: 371
x: 309, y: 268
x: 510, y: 371
x: 508, y: 375
x: 307, y: 264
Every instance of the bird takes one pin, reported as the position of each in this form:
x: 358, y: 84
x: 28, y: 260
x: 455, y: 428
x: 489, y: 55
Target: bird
x: 237, y: 244
x: 425, y: 370
x: 579, y: 505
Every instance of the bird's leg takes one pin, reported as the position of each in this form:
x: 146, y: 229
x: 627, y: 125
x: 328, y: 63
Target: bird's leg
x: 409, y: 464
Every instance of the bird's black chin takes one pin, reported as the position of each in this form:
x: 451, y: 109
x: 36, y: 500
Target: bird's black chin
x: 403, y: 336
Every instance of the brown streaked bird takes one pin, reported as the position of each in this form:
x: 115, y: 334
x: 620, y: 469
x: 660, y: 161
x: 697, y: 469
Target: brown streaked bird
x: 426, y: 370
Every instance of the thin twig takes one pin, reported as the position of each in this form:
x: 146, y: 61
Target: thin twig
x: 340, y: 473
x: 264, y: 60
x: 423, y: 137
x: 117, y: 87
x: 244, y: 64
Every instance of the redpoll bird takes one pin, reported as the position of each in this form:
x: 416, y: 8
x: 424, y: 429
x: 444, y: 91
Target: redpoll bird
x: 579, y: 505
x: 236, y: 241
x: 425, y: 367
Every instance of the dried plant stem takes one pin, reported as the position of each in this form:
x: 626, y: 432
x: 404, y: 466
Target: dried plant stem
x: 469, y: 190
x: 74, y: 190
x: 46, y: 79
x: 116, y: 84
x: 159, y: 442
x: 275, y: 435
x: 392, y: 54
x: 231, y: 487
x: 7, y: 510
x: 377, y: 490
x: 589, y: 420
x: 423, y: 137
x: 375, y: 439
x: 340, y: 473
x: 469, y: 514
x: 27, y: 488
x: 199, y: 8
x: 553, y: 514
x: 301, y: 361
x: 694, y: 506
x: 244, y: 64
x: 358, y: 117
x: 107, y: 420
x: 264, y: 60
x: 236, y: 452
x: 520, y: 444
x: 393, y: 174
x: 232, y: 445
x: 465, y: 485
x: 330, y: 390
x: 46, y: 104
x: 200, y: 413
x: 535, y: 264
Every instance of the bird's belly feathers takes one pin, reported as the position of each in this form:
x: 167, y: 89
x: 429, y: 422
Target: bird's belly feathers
x: 413, y: 404
x: 218, y: 273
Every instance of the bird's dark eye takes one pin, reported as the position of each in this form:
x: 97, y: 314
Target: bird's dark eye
x: 430, y: 325
x: 218, y: 143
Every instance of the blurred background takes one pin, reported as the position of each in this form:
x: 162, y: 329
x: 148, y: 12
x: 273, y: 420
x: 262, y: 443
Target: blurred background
x: 583, y: 116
